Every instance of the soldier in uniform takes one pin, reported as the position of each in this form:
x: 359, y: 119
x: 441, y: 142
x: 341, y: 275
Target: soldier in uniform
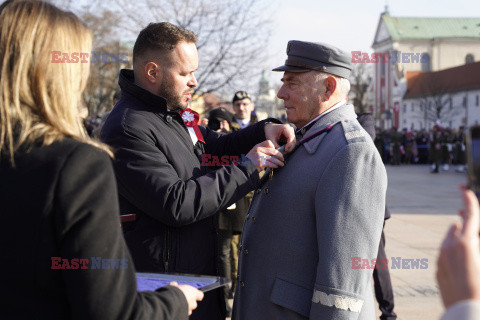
x: 435, y: 148
x: 243, y: 108
x: 460, y: 150
x: 230, y: 220
x: 396, y: 142
x: 446, y: 148
x: 311, y: 221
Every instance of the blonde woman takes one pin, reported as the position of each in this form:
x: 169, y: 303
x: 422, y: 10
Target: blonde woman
x: 58, y: 198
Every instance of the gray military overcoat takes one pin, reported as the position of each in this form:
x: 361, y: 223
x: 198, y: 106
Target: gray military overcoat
x: 306, y: 225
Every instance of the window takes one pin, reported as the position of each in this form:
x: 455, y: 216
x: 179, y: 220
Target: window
x: 425, y: 61
x: 382, y: 69
x: 413, y: 107
x: 404, y: 108
x: 469, y: 58
x: 477, y: 100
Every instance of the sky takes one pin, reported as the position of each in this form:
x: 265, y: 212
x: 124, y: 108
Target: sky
x: 347, y: 24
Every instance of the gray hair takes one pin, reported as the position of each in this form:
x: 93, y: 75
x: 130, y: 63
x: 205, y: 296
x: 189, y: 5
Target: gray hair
x: 343, y: 84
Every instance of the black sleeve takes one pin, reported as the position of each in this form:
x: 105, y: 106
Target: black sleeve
x: 235, y: 143
x: 87, y: 226
x: 149, y: 181
x: 367, y: 122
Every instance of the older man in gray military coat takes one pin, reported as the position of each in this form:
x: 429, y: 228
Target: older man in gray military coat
x: 315, y: 223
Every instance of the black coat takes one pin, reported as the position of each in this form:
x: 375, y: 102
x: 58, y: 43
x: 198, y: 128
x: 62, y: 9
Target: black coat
x: 61, y: 201
x: 160, y: 179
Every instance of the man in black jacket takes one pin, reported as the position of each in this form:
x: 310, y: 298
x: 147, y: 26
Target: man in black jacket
x: 159, y: 149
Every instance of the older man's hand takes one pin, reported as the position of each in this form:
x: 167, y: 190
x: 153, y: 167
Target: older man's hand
x: 458, y: 266
x: 281, y: 133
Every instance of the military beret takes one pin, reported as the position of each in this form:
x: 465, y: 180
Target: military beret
x: 305, y: 56
x: 240, y: 95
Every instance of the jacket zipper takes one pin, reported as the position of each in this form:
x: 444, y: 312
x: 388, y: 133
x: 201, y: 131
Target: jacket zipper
x: 166, y: 251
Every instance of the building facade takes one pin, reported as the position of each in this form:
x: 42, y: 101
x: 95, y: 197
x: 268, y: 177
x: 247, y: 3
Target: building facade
x: 450, y: 97
x: 407, y: 44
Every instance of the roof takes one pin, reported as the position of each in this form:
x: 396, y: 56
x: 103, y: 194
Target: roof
x: 460, y: 78
x: 430, y: 28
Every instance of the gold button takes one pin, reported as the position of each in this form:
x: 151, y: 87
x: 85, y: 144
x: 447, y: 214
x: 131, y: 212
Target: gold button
x: 242, y: 284
x: 266, y: 190
x: 245, y: 251
x: 254, y: 219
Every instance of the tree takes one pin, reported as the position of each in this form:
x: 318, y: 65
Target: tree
x: 360, y: 80
x: 108, y: 54
x: 108, y: 57
x: 232, y: 34
x: 436, y: 100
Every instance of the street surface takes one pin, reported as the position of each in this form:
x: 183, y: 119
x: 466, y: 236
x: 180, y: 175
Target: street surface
x: 423, y: 206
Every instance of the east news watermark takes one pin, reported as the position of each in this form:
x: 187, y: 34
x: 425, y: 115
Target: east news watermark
x: 88, y: 263
x: 396, y: 263
x: 85, y: 57
x: 390, y: 57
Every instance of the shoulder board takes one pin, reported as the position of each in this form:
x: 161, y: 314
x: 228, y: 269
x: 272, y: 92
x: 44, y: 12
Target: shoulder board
x: 353, y: 131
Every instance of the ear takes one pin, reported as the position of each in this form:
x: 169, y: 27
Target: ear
x: 331, y: 86
x: 153, y: 73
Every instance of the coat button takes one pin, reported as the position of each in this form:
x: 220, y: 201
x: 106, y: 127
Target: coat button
x: 245, y: 251
x: 254, y: 219
x: 266, y: 190
x: 259, y: 190
x: 242, y: 284
x: 169, y: 118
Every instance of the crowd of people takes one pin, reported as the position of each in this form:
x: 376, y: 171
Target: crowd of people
x: 315, y: 195
x: 444, y: 148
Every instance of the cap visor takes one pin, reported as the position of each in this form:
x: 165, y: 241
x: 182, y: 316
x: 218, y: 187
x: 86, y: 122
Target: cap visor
x: 290, y: 69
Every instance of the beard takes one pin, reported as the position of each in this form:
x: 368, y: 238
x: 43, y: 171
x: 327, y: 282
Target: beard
x: 174, y: 99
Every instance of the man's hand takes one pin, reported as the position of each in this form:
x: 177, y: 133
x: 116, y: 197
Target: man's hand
x: 281, y: 133
x: 458, y: 266
x: 264, y: 155
x: 191, y: 294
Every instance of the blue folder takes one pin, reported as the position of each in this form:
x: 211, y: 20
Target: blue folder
x: 153, y: 281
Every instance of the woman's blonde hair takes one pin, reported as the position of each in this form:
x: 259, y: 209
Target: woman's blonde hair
x: 39, y: 97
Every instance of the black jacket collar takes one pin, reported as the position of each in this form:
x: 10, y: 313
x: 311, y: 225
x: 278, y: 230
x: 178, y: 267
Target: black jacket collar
x: 127, y: 84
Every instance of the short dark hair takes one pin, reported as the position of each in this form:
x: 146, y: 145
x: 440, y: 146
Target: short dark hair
x: 162, y: 36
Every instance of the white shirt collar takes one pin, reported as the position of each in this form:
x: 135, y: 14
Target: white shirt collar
x: 335, y: 106
x: 243, y: 122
